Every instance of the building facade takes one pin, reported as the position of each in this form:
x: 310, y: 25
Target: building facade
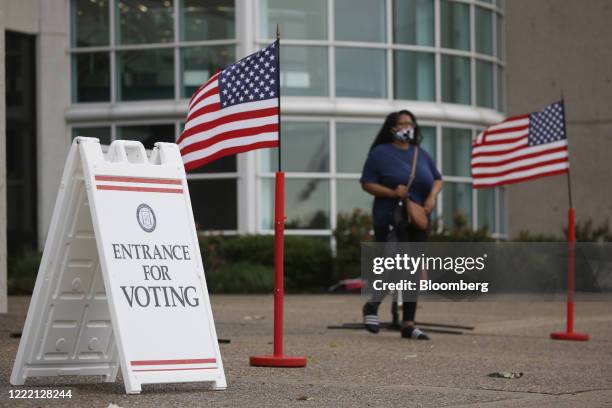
x: 124, y: 69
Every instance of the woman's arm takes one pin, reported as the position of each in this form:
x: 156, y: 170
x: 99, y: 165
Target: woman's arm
x: 430, y: 201
x: 378, y: 190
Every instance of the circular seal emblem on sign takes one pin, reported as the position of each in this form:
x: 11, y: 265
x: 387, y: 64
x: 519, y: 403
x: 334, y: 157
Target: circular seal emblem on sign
x: 146, y: 218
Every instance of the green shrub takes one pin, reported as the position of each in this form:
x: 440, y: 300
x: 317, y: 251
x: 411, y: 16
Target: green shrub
x: 22, y: 272
x: 307, y: 266
x: 352, y: 229
x: 240, y: 277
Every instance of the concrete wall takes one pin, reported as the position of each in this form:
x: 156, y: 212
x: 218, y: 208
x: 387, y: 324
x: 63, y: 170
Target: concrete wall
x: 554, y: 46
x: 53, y: 98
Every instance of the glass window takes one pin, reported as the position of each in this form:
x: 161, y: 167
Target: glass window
x: 457, y: 203
x: 500, y: 89
x: 456, y: 79
x: 484, y: 84
x: 413, y: 22
x: 145, y: 21
x: 214, y: 204
x: 306, y: 203
x: 351, y: 196
x: 414, y: 75
x: 503, y: 208
x: 91, y: 77
x: 298, y: 19
x: 429, y: 141
x: 200, y: 63
x: 500, y: 37
x: 303, y: 71
x: 90, y: 23
x: 456, y: 152
x: 305, y: 148
x: 360, y: 20
x: 455, y: 22
x: 484, y: 31
x: 226, y: 164
x: 146, y: 74
x: 361, y: 72
x: 486, y: 208
x: 148, y: 135
x: 101, y: 132
x: 207, y: 20
x: 353, y: 141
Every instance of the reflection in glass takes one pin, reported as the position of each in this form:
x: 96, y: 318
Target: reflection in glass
x: 298, y: 19
x: 500, y: 89
x: 305, y: 148
x: 360, y: 20
x: 304, y: 71
x: 484, y: 84
x: 456, y: 152
x: 306, y: 203
x: 455, y: 79
x: 413, y: 22
x: 353, y: 141
x: 214, y: 204
x: 90, y: 23
x: 148, y: 135
x: 455, y: 22
x: 226, y: 164
x: 500, y: 37
x: 361, y: 72
x: 101, y: 132
x: 207, y: 20
x: 350, y: 196
x: 145, y: 21
x: 429, y: 141
x: 484, y: 31
x: 91, y: 77
x: 503, y: 208
x: 457, y: 204
x: 200, y: 63
x: 146, y: 74
x: 414, y: 75
x: 486, y: 208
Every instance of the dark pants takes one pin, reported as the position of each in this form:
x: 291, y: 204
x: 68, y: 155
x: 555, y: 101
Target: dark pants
x: 411, y: 235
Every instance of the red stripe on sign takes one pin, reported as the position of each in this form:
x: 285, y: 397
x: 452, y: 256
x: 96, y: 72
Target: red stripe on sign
x: 178, y: 369
x: 172, y: 362
x: 139, y: 180
x: 140, y: 189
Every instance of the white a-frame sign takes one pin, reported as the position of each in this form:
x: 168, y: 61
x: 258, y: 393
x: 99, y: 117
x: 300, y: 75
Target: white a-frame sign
x: 121, y: 282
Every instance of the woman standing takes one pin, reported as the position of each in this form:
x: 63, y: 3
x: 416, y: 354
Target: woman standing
x: 390, y: 176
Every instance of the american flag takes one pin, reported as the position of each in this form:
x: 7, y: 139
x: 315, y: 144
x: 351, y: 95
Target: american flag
x: 521, y: 148
x: 235, y: 111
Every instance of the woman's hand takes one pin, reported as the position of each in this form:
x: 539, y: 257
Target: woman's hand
x: 401, y: 190
x: 430, y: 204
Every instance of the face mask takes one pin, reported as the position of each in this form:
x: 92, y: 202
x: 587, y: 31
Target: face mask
x: 405, y: 135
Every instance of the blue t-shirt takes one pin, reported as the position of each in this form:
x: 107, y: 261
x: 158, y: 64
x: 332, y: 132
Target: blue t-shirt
x: 391, y: 166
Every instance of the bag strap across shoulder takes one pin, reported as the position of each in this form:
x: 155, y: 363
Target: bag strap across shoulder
x: 415, y: 157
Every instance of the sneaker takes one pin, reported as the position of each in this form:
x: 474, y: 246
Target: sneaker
x: 370, y: 318
x: 411, y: 332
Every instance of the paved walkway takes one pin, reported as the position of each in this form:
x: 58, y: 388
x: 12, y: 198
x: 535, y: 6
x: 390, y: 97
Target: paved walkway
x: 355, y: 368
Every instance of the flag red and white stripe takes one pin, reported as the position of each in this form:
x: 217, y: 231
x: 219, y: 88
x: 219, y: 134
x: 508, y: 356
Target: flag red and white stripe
x: 507, y: 153
x: 225, y: 116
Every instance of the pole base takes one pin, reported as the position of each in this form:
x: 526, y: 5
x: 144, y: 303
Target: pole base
x: 569, y: 336
x: 278, y: 361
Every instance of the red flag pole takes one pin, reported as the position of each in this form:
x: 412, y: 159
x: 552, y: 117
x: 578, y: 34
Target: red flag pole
x: 278, y: 359
x: 569, y: 333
